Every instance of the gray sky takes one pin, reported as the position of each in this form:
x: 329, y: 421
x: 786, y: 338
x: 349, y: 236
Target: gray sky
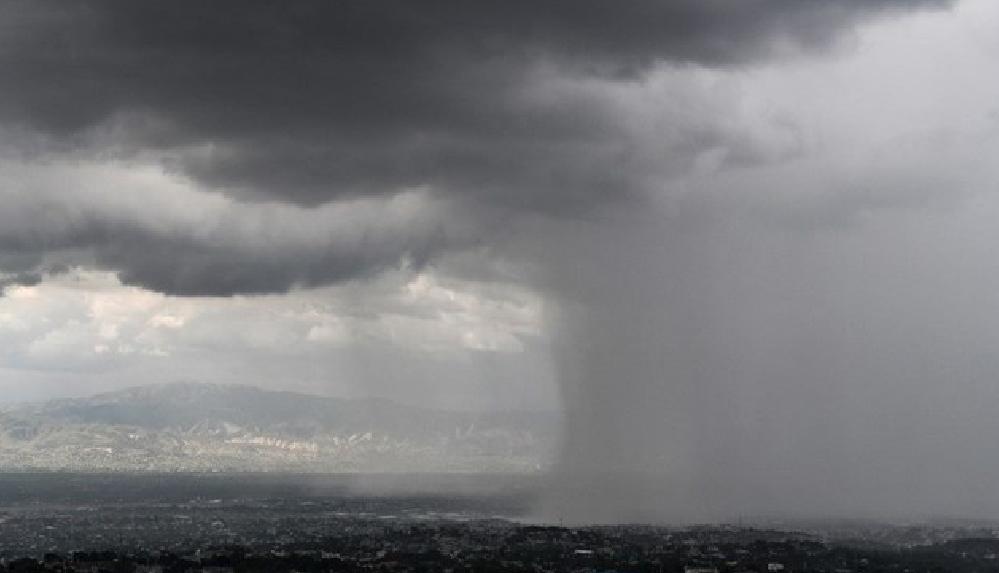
x: 746, y: 246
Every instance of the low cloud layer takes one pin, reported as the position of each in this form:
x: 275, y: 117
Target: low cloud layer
x: 166, y: 236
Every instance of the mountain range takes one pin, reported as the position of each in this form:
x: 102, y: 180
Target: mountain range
x: 210, y: 427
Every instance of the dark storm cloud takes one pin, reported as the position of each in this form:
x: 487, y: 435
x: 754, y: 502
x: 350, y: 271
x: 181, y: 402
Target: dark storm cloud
x: 308, y: 102
x: 176, y: 240
x: 180, y: 266
x: 19, y: 269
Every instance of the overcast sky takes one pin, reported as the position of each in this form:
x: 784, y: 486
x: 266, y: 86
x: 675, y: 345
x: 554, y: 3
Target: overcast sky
x: 713, y: 232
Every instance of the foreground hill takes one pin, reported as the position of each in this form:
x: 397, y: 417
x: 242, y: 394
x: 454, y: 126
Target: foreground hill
x: 205, y: 427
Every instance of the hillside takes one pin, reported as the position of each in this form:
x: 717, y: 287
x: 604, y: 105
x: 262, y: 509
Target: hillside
x: 206, y: 427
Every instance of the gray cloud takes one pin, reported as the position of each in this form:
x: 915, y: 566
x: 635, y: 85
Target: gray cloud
x: 317, y: 101
x: 165, y: 236
x: 522, y: 106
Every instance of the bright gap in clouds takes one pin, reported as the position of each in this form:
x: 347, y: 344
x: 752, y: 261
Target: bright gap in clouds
x: 411, y: 336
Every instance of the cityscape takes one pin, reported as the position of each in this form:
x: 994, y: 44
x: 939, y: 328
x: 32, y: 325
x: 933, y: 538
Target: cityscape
x: 426, y: 532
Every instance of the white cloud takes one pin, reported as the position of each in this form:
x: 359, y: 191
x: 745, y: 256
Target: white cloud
x: 87, y: 321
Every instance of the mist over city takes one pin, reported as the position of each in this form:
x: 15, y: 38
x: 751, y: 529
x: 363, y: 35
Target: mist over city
x: 686, y: 285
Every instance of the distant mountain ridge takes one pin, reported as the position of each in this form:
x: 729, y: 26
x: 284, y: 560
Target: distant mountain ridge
x: 212, y: 427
